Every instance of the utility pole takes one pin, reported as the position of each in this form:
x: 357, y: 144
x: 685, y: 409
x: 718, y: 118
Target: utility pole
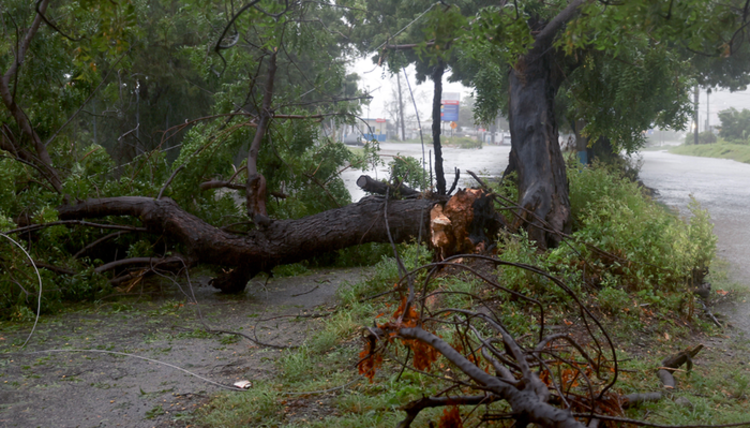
x: 401, y: 108
x: 708, y: 125
x: 696, y: 94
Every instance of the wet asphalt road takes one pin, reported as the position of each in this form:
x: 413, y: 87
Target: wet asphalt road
x: 721, y: 186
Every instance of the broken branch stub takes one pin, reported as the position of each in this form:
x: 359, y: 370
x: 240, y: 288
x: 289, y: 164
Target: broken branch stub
x: 466, y: 224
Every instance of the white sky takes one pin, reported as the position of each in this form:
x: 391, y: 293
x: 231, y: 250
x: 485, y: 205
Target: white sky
x: 382, y: 86
x: 718, y: 101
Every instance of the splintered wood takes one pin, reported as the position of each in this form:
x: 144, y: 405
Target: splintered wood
x: 458, y: 227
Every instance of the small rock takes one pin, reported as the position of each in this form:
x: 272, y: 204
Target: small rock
x: 684, y: 402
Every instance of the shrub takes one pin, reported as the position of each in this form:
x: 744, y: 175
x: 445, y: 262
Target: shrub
x: 652, y: 247
x: 706, y: 137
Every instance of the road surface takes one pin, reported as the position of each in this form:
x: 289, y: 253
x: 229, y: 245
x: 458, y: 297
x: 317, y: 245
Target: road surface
x: 721, y: 186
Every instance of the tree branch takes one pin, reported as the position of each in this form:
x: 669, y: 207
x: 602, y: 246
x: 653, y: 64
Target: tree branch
x: 217, y: 184
x: 545, y: 36
x: 255, y: 191
x: 524, y: 402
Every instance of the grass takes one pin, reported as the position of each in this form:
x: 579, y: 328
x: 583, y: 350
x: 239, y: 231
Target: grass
x: 317, y: 384
x: 722, y: 150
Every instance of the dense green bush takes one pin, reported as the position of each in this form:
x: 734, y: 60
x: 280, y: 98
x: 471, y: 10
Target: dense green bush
x: 623, y: 244
x: 296, y: 163
x: 706, y: 137
x: 657, y: 249
x: 735, y: 125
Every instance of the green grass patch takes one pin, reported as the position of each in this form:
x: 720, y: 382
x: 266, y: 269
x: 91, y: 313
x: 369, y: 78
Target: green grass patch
x: 461, y: 142
x: 721, y: 150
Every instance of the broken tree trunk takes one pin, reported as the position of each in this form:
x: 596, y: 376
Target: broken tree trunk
x: 282, y: 242
x: 466, y: 224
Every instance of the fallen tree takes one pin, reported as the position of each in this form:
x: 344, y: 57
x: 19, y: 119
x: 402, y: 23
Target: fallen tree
x: 259, y: 250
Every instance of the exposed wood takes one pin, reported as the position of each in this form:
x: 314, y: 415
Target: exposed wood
x: 466, y: 224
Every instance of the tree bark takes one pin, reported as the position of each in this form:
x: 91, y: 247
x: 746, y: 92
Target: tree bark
x: 437, y: 78
x: 369, y: 184
x: 282, y: 242
x: 401, y: 108
x: 255, y: 190
x: 535, y: 151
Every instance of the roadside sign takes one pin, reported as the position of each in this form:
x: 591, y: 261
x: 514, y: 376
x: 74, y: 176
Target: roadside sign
x: 449, y: 112
x: 454, y: 125
x: 449, y: 106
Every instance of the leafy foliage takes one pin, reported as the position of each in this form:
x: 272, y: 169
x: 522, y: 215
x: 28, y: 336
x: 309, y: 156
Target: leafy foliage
x: 735, y: 125
x: 706, y: 137
x: 159, y: 111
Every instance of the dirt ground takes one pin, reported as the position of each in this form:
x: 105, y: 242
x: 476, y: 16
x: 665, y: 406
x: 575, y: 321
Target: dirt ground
x: 73, y: 372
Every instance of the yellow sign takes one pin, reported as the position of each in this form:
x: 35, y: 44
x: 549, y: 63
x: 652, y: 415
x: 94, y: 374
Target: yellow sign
x: 454, y: 125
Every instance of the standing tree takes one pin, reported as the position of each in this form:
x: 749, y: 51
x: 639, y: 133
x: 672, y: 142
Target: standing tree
x: 601, y: 51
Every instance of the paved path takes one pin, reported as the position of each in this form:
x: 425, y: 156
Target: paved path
x: 723, y: 187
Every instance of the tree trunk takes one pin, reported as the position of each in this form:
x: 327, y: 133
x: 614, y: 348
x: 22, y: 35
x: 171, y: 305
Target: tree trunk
x: 282, y: 242
x: 401, y: 108
x: 535, y: 151
x: 437, y: 78
x: 255, y: 191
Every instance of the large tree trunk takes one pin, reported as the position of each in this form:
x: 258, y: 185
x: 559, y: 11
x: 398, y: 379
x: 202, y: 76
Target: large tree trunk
x: 282, y: 242
x: 535, y: 151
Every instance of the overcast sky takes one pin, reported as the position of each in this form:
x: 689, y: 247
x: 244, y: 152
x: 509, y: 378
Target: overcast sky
x: 718, y: 101
x: 382, y: 86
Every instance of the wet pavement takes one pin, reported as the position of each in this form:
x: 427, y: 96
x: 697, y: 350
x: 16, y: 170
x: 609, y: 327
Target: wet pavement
x: 488, y: 161
x: 721, y: 186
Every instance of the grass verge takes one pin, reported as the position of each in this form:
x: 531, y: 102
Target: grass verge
x: 721, y: 150
x: 637, y: 282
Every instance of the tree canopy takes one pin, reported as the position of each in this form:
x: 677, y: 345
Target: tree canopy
x: 193, y: 100
x: 735, y: 125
